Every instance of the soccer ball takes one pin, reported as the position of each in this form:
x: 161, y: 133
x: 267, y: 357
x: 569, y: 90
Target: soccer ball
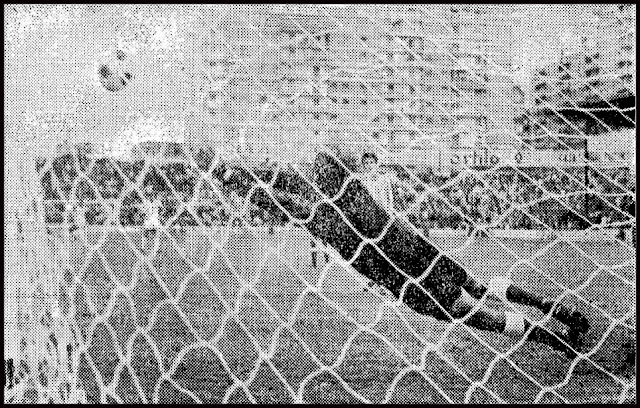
x: 114, y: 71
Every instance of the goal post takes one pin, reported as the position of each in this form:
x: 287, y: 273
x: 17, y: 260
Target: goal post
x: 37, y: 336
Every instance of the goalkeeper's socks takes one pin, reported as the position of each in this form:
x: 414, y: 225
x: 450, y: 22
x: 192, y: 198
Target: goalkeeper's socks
x: 567, y: 315
x: 515, y: 324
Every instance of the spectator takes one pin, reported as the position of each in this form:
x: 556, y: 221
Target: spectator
x: 482, y: 197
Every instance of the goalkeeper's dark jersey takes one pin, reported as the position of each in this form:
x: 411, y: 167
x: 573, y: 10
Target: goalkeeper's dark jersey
x: 399, y: 253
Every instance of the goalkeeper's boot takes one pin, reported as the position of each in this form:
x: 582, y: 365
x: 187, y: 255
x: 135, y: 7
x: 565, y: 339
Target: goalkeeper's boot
x: 570, y: 316
x: 559, y: 341
x: 573, y: 339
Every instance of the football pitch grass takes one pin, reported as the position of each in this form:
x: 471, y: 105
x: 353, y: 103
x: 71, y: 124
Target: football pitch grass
x: 279, y: 330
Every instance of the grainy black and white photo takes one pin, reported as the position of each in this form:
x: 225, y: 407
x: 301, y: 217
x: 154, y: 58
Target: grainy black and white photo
x: 320, y: 203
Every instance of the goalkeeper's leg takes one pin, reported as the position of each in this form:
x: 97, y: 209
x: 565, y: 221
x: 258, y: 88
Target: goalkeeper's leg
x: 314, y: 254
x: 150, y: 235
x: 448, y: 292
x: 448, y: 301
x: 504, y: 289
x: 509, y: 323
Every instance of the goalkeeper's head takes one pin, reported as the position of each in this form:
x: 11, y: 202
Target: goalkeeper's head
x: 369, y: 162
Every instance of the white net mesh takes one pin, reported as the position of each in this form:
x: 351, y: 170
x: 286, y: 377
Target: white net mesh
x: 192, y: 221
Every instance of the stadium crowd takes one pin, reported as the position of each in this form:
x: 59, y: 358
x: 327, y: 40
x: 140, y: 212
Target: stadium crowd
x: 112, y: 191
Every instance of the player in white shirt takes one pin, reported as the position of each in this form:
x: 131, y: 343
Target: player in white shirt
x: 153, y: 213
x: 380, y: 186
x: 76, y: 213
x: 152, y: 217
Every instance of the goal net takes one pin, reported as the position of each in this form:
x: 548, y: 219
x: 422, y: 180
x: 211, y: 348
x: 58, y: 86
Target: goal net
x: 190, y: 214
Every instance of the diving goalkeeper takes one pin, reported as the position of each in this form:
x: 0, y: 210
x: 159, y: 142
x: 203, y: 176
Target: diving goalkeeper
x: 354, y: 219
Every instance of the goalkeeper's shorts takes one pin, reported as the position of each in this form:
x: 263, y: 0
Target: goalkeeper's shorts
x: 439, y: 289
x: 433, y: 295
